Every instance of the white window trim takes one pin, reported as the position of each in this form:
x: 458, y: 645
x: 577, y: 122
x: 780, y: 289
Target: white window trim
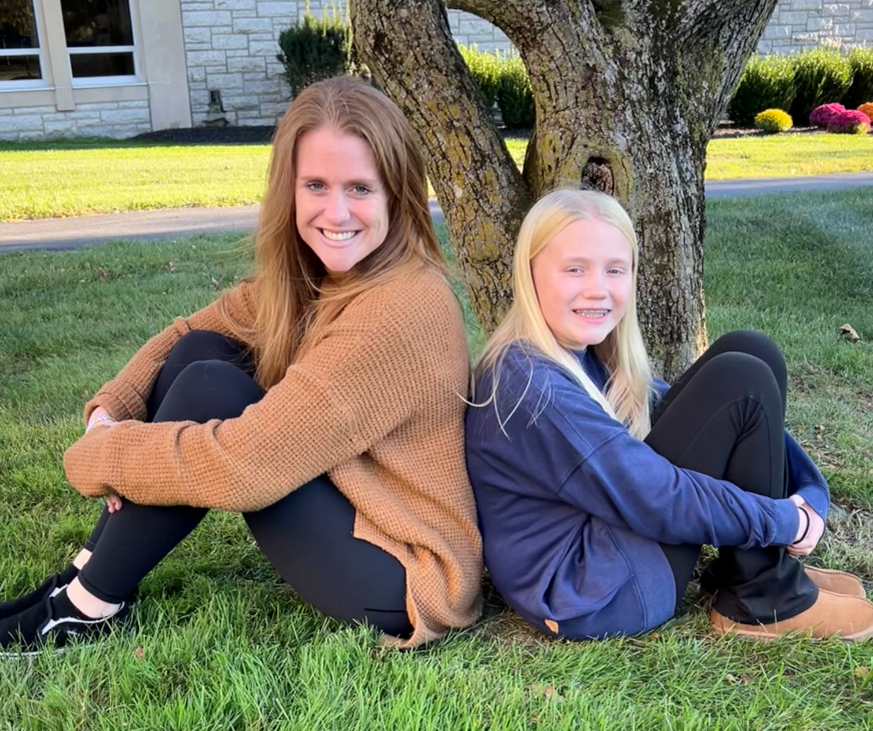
x: 37, y: 84
x: 91, y: 82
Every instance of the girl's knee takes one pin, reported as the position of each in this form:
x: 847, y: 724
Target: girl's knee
x: 741, y: 373
x: 756, y: 344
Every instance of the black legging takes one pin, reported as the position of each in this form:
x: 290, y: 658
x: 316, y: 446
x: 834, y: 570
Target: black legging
x: 307, y: 535
x: 725, y: 418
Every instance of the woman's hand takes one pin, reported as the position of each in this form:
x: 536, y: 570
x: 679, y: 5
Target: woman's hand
x: 813, y: 534
x: 113, y: 503
x: 99, y: 416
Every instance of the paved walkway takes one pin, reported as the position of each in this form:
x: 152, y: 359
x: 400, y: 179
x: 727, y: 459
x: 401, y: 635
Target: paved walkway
x: 69, y: 233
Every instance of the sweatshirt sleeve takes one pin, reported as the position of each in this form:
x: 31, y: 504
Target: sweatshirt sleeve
x: 804, y: 478
x: 591, y: 461
x: 125, y: 396
x: 361, y: 380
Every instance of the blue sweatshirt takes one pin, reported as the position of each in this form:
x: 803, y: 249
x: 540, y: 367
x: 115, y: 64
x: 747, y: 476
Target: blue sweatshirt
x: 572, y: 507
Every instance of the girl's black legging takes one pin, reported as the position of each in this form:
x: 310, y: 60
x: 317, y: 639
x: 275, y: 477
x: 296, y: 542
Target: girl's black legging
x: 307, y: 535
x: 725, y: 418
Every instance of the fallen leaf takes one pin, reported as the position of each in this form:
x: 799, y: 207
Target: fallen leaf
x: 102, y: 273
x: 169, y: 267
x: 548, y: 691
x: 849, y: 333
x: 862, y: 672
x: 139, y: 653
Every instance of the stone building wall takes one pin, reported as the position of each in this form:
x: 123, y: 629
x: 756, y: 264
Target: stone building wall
x: 231, y: 47
x: 104, y: 119
x: 798, y: 25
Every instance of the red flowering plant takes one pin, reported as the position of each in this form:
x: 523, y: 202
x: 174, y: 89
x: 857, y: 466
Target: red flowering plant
x: 821, y: 115
x: 850, y: 122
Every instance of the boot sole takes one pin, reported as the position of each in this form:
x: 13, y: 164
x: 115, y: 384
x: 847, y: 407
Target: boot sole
x: 739, y: 631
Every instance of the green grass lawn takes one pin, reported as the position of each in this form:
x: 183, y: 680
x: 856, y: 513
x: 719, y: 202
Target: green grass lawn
x: 72, y: 178
x: 218, y: 642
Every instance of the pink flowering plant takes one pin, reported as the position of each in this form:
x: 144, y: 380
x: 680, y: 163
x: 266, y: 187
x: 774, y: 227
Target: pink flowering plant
x: 822, y: 115
x: 850, y: 122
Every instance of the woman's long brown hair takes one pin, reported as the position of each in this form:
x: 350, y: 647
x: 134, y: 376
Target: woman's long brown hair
x: 291, y: 302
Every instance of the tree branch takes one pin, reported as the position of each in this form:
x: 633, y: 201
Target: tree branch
x: 408, y: 46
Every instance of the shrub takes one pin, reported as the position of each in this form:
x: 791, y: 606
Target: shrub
x: 315, y: 50
x: 772, y: 121
x: 820, y: 116
x: 485, y: 69
x: 867, y: 109
x: 514, y: 95
x: 861, y: 90
x: 820, y: 75
x: 851, y: 122
x: 766, y: 83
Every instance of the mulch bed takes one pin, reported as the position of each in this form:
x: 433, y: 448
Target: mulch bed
x: 259, y: 135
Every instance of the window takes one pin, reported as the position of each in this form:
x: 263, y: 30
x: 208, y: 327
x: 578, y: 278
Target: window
x: 99, y: 39
x: 20, y: 63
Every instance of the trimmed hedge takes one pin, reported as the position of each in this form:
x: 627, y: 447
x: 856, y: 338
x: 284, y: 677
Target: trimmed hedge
x: 766, y: 83
x: 861, y: 90
x: 821, y: 75
x: 514, y: 95
x: 486, y: 70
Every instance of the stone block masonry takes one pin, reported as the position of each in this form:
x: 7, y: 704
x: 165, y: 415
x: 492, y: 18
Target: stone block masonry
x: 106, y: 119
x: 231, y: 47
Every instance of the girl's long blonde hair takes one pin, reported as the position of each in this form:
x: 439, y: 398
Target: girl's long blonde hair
x: 292, y: 302
x: 622, y: 351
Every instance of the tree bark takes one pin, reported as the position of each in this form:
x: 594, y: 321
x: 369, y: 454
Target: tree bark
x: 627, y: 96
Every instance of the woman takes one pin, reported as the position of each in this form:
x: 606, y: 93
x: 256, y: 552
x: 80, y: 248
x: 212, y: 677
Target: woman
x: 320, y: 399
x: 597, y: 485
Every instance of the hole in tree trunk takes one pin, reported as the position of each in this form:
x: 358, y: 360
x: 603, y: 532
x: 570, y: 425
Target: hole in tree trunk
x: 597, y: 175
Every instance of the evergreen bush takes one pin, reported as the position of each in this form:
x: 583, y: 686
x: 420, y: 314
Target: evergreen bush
x: 766, y: 83
x: 514, y: 95
x: 314, y: 50
x: 861, y: 90
x: 485, y: 68
x: 821, y: 76
x: 773, y: 121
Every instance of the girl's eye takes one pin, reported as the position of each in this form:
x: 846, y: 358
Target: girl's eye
x: 616, y: 271
x: 576, y: 270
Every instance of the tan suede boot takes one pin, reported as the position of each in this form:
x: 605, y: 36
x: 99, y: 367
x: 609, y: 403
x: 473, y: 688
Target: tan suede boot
x: 833, y: 615
x: 836, y: 582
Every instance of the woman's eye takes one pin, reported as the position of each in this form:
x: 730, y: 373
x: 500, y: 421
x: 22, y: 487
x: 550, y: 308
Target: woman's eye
x: 361, y: 190
x: 315, y: 186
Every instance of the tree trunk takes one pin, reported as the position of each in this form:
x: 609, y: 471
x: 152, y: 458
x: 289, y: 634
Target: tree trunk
x: 627, y: 95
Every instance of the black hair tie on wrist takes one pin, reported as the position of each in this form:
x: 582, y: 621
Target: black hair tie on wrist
x: 805, y: 530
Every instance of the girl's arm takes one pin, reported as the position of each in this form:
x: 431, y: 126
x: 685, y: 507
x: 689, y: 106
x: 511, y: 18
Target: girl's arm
x: 805, y: 479
x: 564, y: 445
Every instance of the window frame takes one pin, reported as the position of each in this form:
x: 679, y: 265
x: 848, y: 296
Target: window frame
x: 89, y: 82
x: 39, y: 51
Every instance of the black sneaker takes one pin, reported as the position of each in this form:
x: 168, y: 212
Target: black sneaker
x: 49, y: 588
x: 54, y: 621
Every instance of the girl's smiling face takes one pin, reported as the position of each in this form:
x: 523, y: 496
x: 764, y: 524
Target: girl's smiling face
x: 341, y: 205
x: 584, y: 279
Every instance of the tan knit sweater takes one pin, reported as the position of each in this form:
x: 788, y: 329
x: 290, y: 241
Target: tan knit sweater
x: 375, y: 402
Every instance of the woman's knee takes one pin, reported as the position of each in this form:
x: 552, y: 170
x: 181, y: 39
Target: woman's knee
x: 197, y: 345
x: 209, y: 389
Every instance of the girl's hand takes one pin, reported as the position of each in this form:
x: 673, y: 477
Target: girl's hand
x: 113, y: 503
x: 99, y: 416
x: 813, y: 535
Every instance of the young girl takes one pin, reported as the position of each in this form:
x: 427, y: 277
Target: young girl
x: 596, y: 485
x: 320, y: 399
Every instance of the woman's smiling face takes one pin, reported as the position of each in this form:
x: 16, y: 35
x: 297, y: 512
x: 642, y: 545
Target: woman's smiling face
x: 340, y: 200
